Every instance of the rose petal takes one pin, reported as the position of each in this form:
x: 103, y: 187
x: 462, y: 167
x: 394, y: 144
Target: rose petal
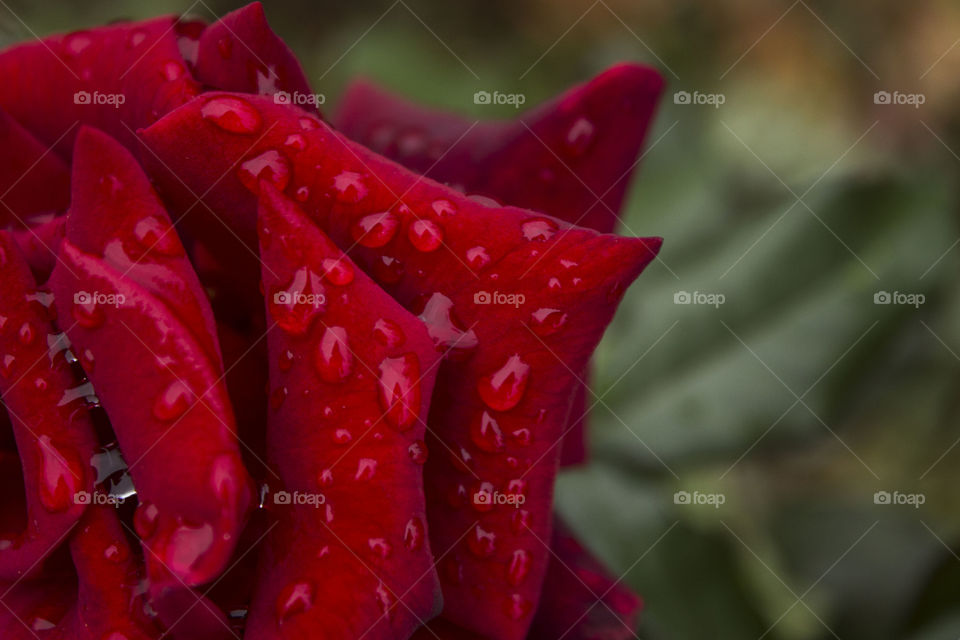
x: 53, y: 431
x: 40, y: 243
x: 124, y: 282
x: 347, y: 408
x: 32, y: 178
x: 118, y: 78
x: 240, y: 52
x: 513, y: 365
x: 571, y: 157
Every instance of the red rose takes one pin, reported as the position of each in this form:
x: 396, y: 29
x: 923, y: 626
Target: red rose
x: 235, y: 295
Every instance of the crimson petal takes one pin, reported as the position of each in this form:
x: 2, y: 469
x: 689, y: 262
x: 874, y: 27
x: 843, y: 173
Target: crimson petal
x: 351, y: 374
x: 53, y: 431
x: 581, y: 600
x: 571, y: 157
x: 503, y: 398
x: 240, y: 52
x: 124, y: 286
x: 117, y: 78
x: 32, y: 178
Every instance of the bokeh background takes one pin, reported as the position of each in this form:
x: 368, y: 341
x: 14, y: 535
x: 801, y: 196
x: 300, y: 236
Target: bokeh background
x: 797, y: 199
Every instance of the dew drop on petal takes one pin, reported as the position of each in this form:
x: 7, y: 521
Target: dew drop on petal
x: 443, y: 327
x: 380, y: 548
x: 145, y: 519
x: 157, y: 235
x: 443, y: 208
x: 26, y: 334
x: 342, y: 436
x: 271, y: 165
x: 338, y: 271
x: 481, y: 542
x: 349, y: 187
x: 519, y: 567
x: 375, y: 230
x: 518, y: 607
x: 61, y: 476
x: 232, y: 114
x: 293, y: 599
x: 418, y: 451
x: 173, y: 401
x: 285, y: 361
x: 295, y: 142
x: 333, y: 358
x: 486, y: 433
x: 399, y: 390
x: 503, y: 389
x: 539, y: 229
x: 388, y: 333
x: 366, y: 469
x: 477, y: 257
x: 548, y: 321
x: 425, y: 235
x: 413, y: 534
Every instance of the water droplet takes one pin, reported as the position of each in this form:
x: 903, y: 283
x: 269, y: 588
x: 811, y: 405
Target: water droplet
x: 443, y: 208
x: 518, y: 607
x: 388, y: 270
x: 136, y: 38
x: 413, y: 534
x: 349, y: 187
x: 386, y: 601
x: 376, y: 229
x: 226, y: 478
x: 295, y: 306
x: 40, y: 384
x: 522, y: 436
x: 285, y: 361
x: 145, y: 519
x: 293, y: 599
x: 519, y: 520
x: 116, y: 552
x: 481, y: 542
x: 418, y: 451
x: 333, y: 358
x: 503, y: 389
x: 539, y: 229
x: 425, y: 235
x: 76, y: 43
x: 61, y: 476
x: 172, y: 70
x: 325, y: 477
x: 486, y: 201
x: 302, y: 194
x: 366, y: 469
x: 308, y: 124
x: 486, y: 434
x: 553, y: 283
x: 271, y: 165
x: 338, y: 271
x: 388, y: 333
x: 380, y: 548
x: 186, y: 545
x: 295, y: 142
x: 87, y: 360
x: 232, y: 114
x: 519, y: 567
x: 225, y: 46
x: 342, y: 436
x: 399, y: 390
x: 579, y: 137
x: 26, y: 333
x: 173, y: 401
x: 157, y: 235
x: 443, y: 327
x: 548, y: 321
x: 478, y: 257
x: 6, y: 365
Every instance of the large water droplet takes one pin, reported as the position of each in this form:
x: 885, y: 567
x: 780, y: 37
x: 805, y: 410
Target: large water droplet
x: 145, y: 519
x: 399, y: 390
x: 503, y: 389
x: 481, y: 542
x: 388, y: 333
x: 519, y: 567
x: 232, y: 114
x: 156, y: 235
x: 295, y: 306
x: 413, y: 534
x: 271, y: 165
x: 293, y: 599
x: 548, y: 321
x: 443, y: 208
x: 486, y: 433
x: 478, y: 258
x: 338, y: 271
x: 425, y: 235
x: 61, y: 476
x: 418, y: 451
x: 173, y: 401
x: 379, y: 548
x: 366, y: 469
x: 442, y: 325
x: 333, y: 358
x: 539, y: 229
x: 376, y: 229
x: 26, y: 334
x: 349, y: 187
x: 186, y: 545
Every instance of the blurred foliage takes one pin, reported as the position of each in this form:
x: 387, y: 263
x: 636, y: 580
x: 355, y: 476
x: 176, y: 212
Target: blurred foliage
x: 797, y: 199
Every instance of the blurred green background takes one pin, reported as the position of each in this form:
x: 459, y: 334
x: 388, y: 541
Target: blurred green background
x: 797, y: 199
